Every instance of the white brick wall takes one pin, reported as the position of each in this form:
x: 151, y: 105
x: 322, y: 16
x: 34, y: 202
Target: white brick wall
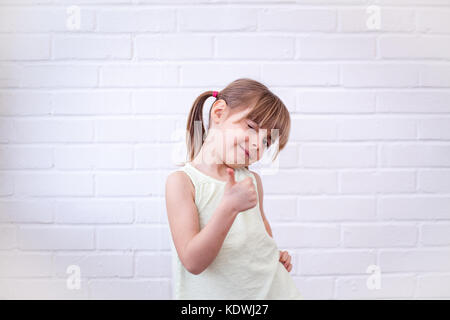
x: 89, y: 119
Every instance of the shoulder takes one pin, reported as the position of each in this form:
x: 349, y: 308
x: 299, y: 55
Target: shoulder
x: 179, y: 181
x: 258, y: 178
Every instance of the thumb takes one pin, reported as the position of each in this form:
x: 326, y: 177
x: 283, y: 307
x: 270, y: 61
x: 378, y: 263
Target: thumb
x: 231, y: 176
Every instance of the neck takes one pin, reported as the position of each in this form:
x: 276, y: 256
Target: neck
x: 209, y: 159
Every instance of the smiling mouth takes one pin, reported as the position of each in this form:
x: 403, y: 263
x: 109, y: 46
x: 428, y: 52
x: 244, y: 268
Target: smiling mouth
x: 246, y: 152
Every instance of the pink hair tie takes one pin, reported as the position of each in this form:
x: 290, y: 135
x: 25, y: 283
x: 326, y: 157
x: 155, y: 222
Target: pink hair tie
x: 215, y: 93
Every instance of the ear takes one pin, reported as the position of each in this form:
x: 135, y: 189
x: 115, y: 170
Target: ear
x: 218, y: 111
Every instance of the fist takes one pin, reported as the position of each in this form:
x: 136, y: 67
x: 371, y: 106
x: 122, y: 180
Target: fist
x: 240, y: 196
x: 285, y: 259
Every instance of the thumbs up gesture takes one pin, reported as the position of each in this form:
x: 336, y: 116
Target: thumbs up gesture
x: 241, y: 195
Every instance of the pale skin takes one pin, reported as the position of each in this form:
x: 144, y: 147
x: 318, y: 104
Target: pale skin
x: 198, y: 248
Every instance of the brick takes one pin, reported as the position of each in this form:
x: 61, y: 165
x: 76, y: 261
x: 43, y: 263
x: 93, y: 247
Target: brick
x: 91, y: 47
x: 25, y: 47
x: 394, y: 20
x: 34, y: 19
x: 8, y: 237
x: 411, y: 102
x: 337, y: 156
x: 413, y: 208
x: 335, y: 47
x: 370, y: 182
x: 26, y: 211
x: 326, y: 101
x: 279, y: 209
x: 216, y: 74
x: 138, y: 76
x: 133, y: 238
x: 433, y: 128
x: 135, y: 289
x: 95, y: 265
x: 93, y: 212
x: 155, y: 156
x: 255, y: 47
x: 431, y: 20
x: 335, y: 262
x: 153, y: 265
x: 42, y: 289
x: 435, y: 76
x: 295, y: 74
x: 25, y: 265
x: 129, y: 184
x: 55, y: 238
x: 435, y: 234
x: 93, y: 157
x: 6, y: 184
x: 171, y: 101
x: 380, y: 75
x: 91, y: 102
x: 17, y: 103
x: 414, y: 260
x: 28, y: 157
x: 49, y: 76
x: 415, y: 155
x: 414, y: 47
x: 391, y: 286
x: 434, y: 181
x: 134, y: 130
x: 433, y: 286
x: 54, y: 184
x: 381, y: 235
x: 151, y: 211
x: 174, y: 47
x: 312, y: 288
x: 53, y: 130
x: 314, y: 129
x: 136, y: 20
x: 288, y: 182
x: 289, y: 19
x: 206, y: 19
x: 295, y: 236
x: 336, y: 209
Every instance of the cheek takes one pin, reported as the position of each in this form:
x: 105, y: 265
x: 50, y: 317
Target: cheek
x: 235, y: 137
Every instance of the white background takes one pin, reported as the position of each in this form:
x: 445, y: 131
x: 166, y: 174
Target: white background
x: 87, y: 118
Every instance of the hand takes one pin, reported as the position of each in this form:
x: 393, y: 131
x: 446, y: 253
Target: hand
x: 285, y: 259
x: 241, y: 195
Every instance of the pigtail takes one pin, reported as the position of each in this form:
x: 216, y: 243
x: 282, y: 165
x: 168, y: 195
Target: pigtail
x: 195, y: 127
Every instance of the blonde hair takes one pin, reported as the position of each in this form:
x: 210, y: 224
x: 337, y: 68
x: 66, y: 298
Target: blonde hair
x: 267, y: 110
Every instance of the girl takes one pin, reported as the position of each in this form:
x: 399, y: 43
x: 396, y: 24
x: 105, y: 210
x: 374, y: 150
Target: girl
x: 222, y: 242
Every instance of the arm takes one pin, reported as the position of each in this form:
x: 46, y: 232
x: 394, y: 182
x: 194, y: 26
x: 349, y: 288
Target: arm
x: 285, y: 258
x: 269, y: 230
x: 196, y: 249
x: 261, y: 196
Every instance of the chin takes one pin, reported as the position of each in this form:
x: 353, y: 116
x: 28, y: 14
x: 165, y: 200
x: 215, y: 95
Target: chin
x: 237, y: 165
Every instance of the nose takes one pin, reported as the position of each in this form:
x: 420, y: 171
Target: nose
x: 253, y: 141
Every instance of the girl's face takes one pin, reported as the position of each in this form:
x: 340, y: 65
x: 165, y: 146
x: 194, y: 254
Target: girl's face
x: 240, y: 141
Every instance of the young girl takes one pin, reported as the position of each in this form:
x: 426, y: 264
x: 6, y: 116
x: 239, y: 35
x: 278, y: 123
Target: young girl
x: 222, y: 242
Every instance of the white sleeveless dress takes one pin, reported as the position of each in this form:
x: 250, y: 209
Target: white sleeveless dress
x: 247, y: 266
